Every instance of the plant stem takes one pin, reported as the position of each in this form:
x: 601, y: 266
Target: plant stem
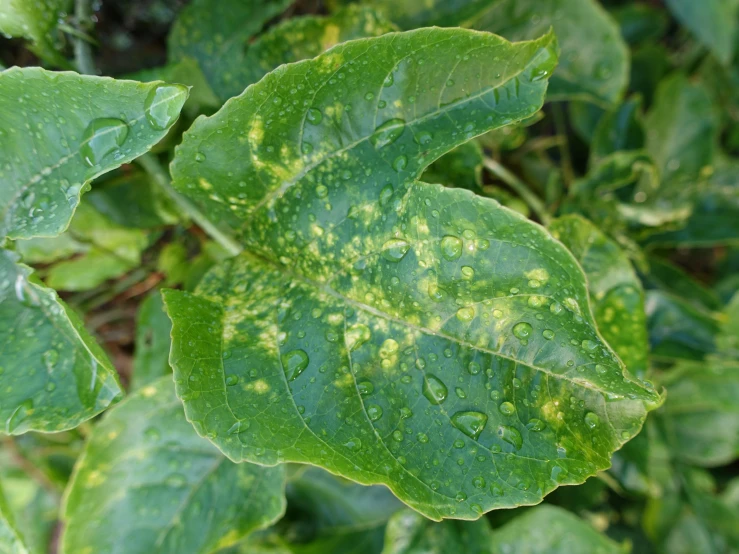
x: 521, y: 188
x: 560, y: 125
x: 82, y: 49
x: 152, y: 166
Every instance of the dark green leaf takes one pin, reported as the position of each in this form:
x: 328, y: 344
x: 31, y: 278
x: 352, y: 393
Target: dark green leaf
x: 615, y: 290
x: 462, y: 168
x: 411, y: 533
x: 620, y: 128
x: 388, y: 330
x: 36, y: 20
x: 153, y: 327
x: 215, y: 33
x: 714, y: 23
x: 594, y: 74
x: 61, y: 130
x: 641, y: 22
x: 727, y: 340
x: 54, y: 375
x: 147, y: 483
x: 670, y: 278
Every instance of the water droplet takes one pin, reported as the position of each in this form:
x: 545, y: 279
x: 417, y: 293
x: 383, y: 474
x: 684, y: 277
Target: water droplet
x: 397, y: 436
x: 19, y: 415
x: 466, y: 314
x: 365, y: 388
x: 461, y: 497
x: 387, y: 133
x: 473, y: 368
x: 479, y: 482
x: 556, y: 308
x: 470, y: 423
x: 314, y: 116
x: 507, y: 408
x: 460, y: 393
x: 389, y: 80
x: 355, y: 445
x: 100, y: 138
x: 357, y: 335
x: 294, y: 363
x: 548, y: 334
x: 374, y: 412
x: 423, y: 138
x: 601, y: 369
x: 451, y: 247
x: 321, y: 191
x: 51, y: 357
x: 511, y: 436
x: 400, y: 162
x: 422, y: 438
x: 589, y: 345
x: 231, y: 380
x: 592, y: 420
x: 434, y: 389
x: 369, y: 96
x: 199, y: 157
x: 385, y: 194
x: 388, y: 348
x: 522, y: 330
x: 162, y: 106
x: 535, y: 425
x: 394, y: 250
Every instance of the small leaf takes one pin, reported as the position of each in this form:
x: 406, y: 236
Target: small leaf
x: 598, y: 75
x: 713, y: 22
x: 153, y: 327
x: 615, y: 290
x: 388, y: 330
x: 56, y: 139
x: 620, y: 128
x: 54, y: 375
x: 37, y: 21
x: 701, y: 414
x: 215, y: 33
x: 144, y: 463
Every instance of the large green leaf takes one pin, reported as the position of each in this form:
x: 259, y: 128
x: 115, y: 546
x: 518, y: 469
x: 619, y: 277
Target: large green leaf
x: 147, y: 483
x: 151, y: 358
x: 36, y: 20
x: 215, y: 33
x: 701, y: 412
x: 595, y: 74
x: 620, y: 128
x: 61, y: 130
x: 714, y: 23
x: 385, y: 329
x: 54, y: 375
x: 306, y: 37
x: 615, y: 290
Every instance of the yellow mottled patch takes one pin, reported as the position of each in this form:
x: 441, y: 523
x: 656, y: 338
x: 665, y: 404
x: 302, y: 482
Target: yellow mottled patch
x: 148, y: 392
x: 205, y: 185
x: 259, y: 386
x: 345, y: 381
x: 95, y: 478
x: 113, y: 434
x: 256, y: 133
x: 539, y: 274
x: 335, y: 319
x: 330, y: 36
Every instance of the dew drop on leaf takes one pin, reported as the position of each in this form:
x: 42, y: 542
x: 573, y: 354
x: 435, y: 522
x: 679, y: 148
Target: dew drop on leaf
x: 451, y: 247
x: 434, y: 389
x: 394, y: 250
x: 102, y: 137
x: 592, y: 420
x: 388, y: 132
x: 314, y: 116
x: 506, y: 408
x: 374, y: 412
x: 162, y: 106
x: 511, y: 435
x: 470, y: 423
x: 522, y: 330
x: 294, y: 363
x: 357, y: 335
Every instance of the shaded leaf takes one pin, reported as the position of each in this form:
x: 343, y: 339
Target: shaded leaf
x: 462, y: 168
x: 615, y: 290
x: 413, y: 355
x: 411, y: 533
x: 594, y: 74
x: 90, y: 125
x: 713, y: 22
x: 410, y: 14
x: 641, y: 22
x: 215, y: 33
x: 54, y: 375
x: 727, y: 340
x: 37, y: 21
x: 620, y: 128
x: 670, y: 278
x: 147, y: 483
x: 151, y: 357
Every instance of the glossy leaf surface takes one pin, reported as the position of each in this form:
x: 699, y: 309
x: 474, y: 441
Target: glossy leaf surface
x: 58, y: 131
x: 147, y: 483
x: 54, y: 375
x: 615, y: 290
x: 432, y: 354
x: 595, y: 74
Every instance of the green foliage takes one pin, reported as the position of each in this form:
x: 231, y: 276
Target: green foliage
x: 369, y: 271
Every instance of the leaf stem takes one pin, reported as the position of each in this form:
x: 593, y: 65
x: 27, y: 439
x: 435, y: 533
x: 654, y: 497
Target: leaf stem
x: 521, y: 188
x: 152, y: 166
x: 82, y: 49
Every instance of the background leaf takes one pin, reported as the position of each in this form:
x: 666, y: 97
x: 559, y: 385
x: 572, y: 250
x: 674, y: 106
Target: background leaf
x: 36, y: 20
x: 714, y: 23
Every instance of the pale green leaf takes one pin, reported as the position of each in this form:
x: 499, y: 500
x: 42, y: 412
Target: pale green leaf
x: 151, y: 357
x: 727, y: 341
x: 147, y: 483
x: 410, y: 533
x: 701, y: 414
x: 388, y: 330
x: 54, y: 375
x: 37, y: 21
x: 306, y: 37
x: 713, y: 22
x: 11, y: 540
x: 215, y: 33
x: 58, y: 131
x: 615, y: 290
x: 411, y: 14
x: 594, y: 74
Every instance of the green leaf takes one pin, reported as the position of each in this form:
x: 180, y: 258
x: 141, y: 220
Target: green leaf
x: 554, y: 531
x: 681, y: 128
x: 61, y: 130
x: 11, y: 541
x: 215, y: 33
x: 545, y: 528
x: 306, y: 37
x: 677, y: 329
x: 713, y: 22
x: 727, y: 340
x: 411, y: 533
x: 620, y: 128
x: 641, y: 22
x: 153, y: 327
x: 462, y: 167
x: 388, y: 330
x: 36, y: 20
x: 594, y: 74
x: 615, y: 290
x: 147, y: 483
x: 55, y: 376
x: 102, y: 250
x: 701, y: 413
x: 670, y: 278
x: 411, y: 14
